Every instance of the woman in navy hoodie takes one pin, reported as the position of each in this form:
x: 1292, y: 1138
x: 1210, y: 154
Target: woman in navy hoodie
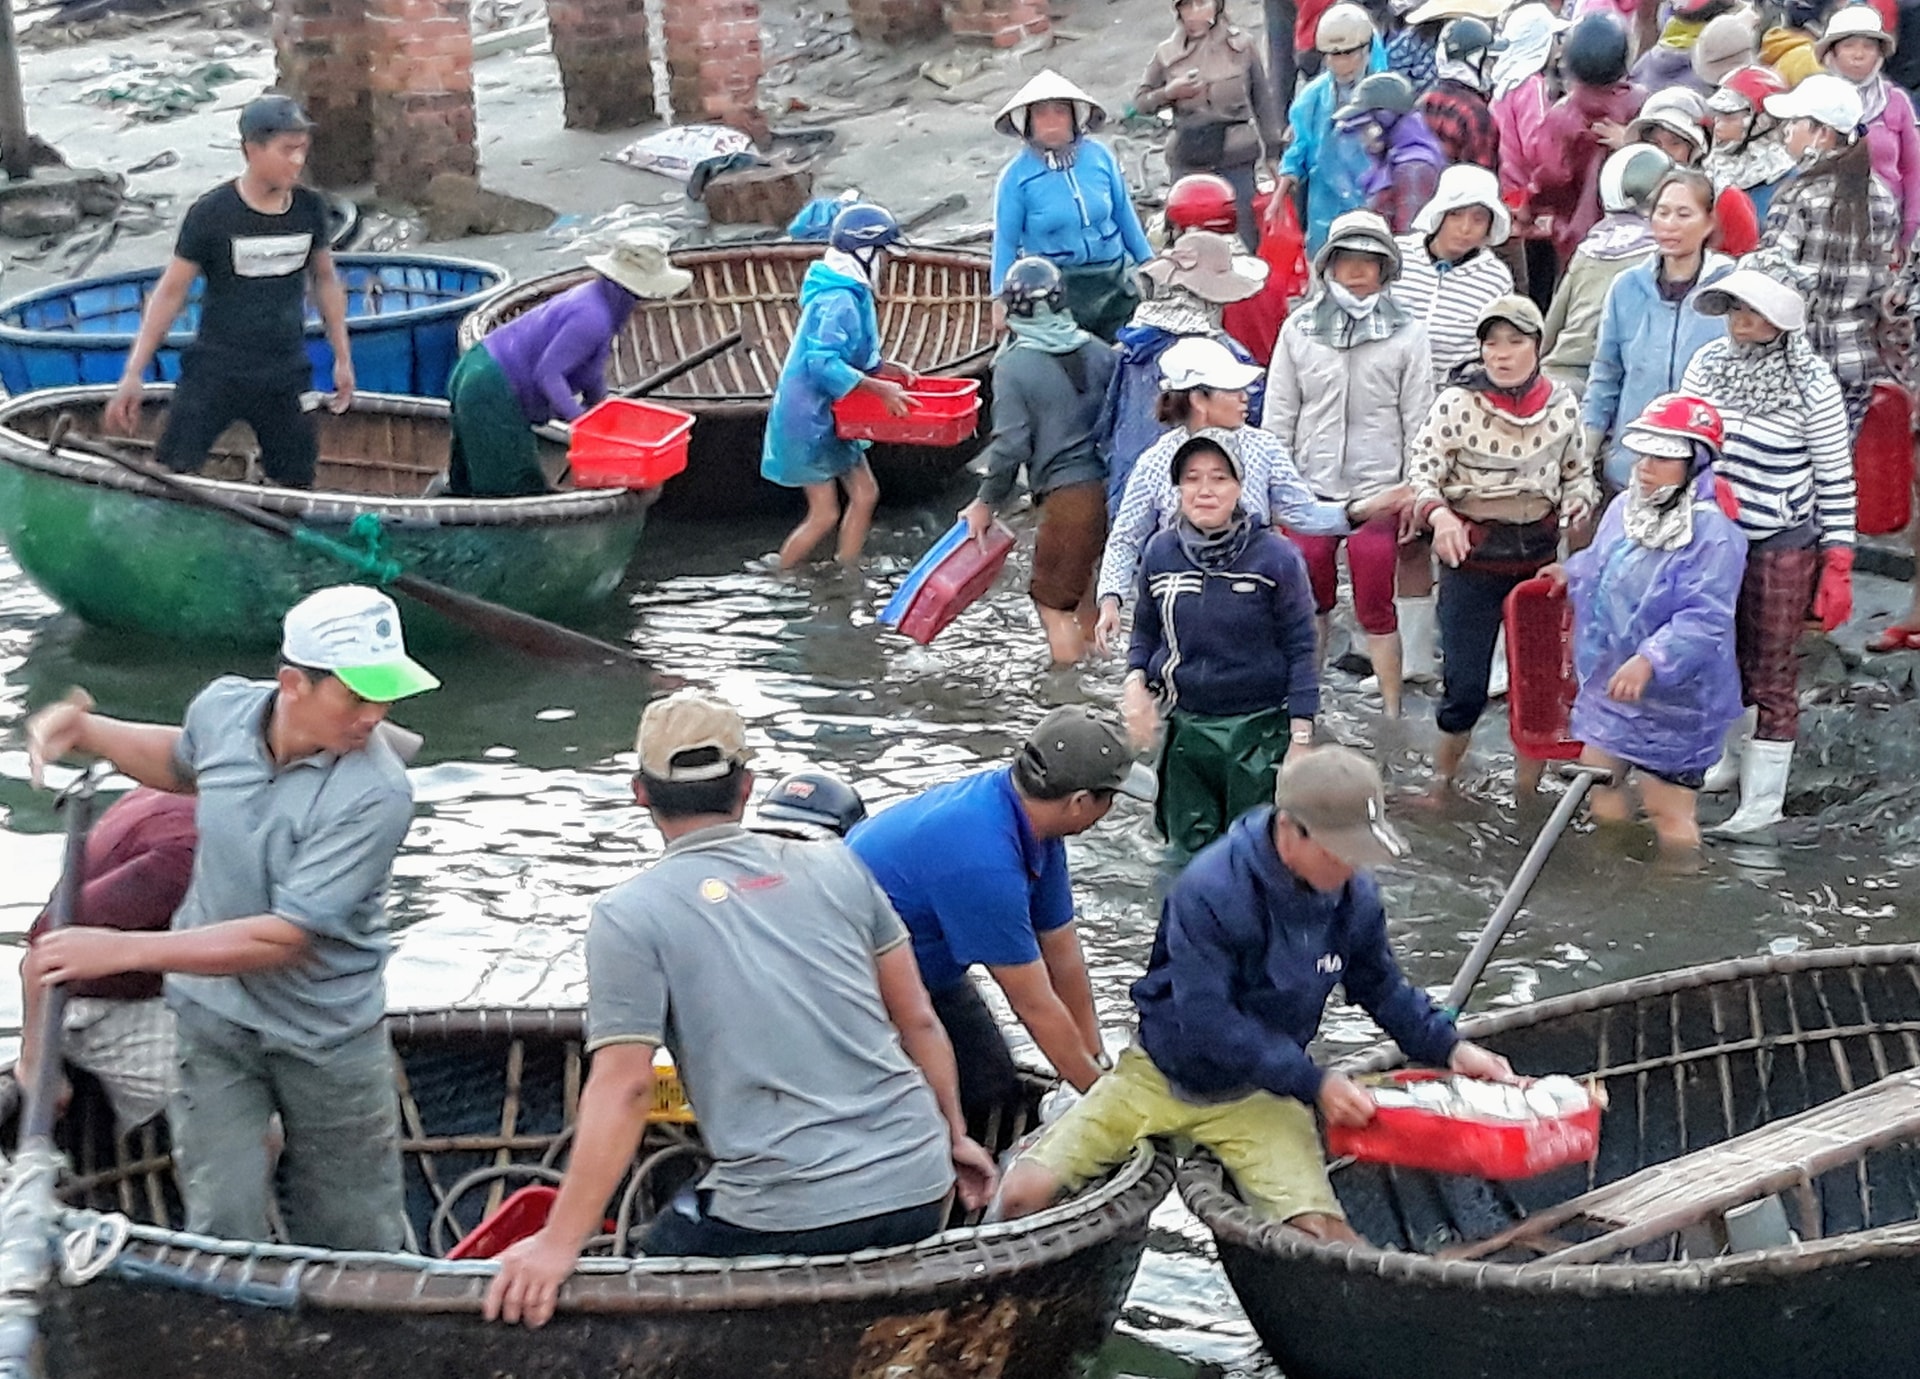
x: 1224, y: 643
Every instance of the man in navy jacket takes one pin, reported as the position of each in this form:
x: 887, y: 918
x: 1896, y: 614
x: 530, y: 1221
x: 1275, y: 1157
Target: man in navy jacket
x: 1253, y: 938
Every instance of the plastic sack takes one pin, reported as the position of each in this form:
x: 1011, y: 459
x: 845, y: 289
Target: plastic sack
x: 1256, y: 322
x: 677, y: 151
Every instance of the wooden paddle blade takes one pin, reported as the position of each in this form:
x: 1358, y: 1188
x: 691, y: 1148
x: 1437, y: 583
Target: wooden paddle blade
x: 510, y: 627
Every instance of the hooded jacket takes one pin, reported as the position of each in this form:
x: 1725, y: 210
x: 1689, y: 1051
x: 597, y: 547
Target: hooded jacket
x: 1644, y: 345
x: 1405, y: 173
x: 1330, y: 165
x: 1568, y: 155
x: 1619, y: 242
x: 1895, y: 145
x: 1071, y: 216
x: 1676, y: 609
x: 836, y: 342
x: 1244, y: 960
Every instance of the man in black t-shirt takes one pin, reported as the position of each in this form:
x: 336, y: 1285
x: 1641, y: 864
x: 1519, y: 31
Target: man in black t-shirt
x: 258, y: 241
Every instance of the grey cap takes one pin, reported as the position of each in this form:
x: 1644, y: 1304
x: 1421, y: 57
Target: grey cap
x: 1075, y: 748
x: 265, y: 116
x: 1334, y: 794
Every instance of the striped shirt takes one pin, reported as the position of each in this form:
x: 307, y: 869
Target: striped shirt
x: 1448, y: 299
x: 1788, y: 465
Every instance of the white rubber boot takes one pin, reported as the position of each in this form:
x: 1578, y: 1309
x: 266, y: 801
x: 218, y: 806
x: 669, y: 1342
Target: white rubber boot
x: 1497, y: 672
x: 1419, y: 638
x: 1724, y: 774
x: 1763, y: 789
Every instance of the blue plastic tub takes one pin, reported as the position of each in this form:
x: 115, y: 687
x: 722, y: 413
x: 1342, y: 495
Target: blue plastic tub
x: 403, y: 316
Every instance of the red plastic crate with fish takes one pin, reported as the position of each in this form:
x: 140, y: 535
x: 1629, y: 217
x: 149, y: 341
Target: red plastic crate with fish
x: 940, y: 412
x: 1539, y: 622
x: 1461, y: 1125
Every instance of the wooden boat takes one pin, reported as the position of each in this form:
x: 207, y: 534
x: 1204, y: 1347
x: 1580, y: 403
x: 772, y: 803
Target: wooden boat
x: 117, y: 551
x: 403, y: 321
x: 935, y: 317
x: 488, y: 1098
x: 1788, y: 1082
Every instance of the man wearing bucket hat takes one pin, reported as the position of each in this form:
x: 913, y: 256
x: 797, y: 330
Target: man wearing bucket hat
x: 276, y: 957
x: 258, y: 242
x: 1064, y: 198
x: 549, y: 364
x: 1254, y: 936
x: 1855, y: 47
x: 1788, y: 456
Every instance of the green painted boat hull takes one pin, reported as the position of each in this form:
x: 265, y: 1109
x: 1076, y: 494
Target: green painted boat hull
x: 117, y: 553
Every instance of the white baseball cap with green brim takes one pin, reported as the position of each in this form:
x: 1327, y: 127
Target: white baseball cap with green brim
x: 353, y: 633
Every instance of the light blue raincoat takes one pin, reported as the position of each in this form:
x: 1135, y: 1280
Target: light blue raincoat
x: 1330, y: 165
x: 1676, y: 609
x: 836, y: 343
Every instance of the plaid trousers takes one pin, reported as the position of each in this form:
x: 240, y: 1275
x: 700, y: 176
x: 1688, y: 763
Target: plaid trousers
x: 1775, y: 599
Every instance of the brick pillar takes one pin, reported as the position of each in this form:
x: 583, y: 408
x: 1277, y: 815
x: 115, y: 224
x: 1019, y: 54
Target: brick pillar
x: 606, y: 68
x: 713, y: 58
x: 889, y: 21
x: 1003, y: 23
x: 421, y: 79
x: 320, y: 53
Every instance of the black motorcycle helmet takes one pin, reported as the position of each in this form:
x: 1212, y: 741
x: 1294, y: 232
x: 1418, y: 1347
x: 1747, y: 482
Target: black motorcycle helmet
x: 1466, y: 39
x: 815, y: 797
x: 1031, y: 282
x: 1596, y: 51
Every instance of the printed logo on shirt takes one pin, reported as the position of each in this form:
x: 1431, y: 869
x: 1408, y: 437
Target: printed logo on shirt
x: 1331, y: 964
x: 270, y: 256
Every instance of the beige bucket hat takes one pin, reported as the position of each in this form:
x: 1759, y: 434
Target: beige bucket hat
x: 638, y: 260
x: 1049, y: 86
x: 1204, y: 264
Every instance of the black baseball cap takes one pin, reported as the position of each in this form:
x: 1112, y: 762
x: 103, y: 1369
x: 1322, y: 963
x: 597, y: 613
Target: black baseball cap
x: 1077, y: 749
x: 265, y: 116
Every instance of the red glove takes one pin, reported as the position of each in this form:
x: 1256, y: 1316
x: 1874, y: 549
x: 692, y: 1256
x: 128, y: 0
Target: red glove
x: 1833, y: 598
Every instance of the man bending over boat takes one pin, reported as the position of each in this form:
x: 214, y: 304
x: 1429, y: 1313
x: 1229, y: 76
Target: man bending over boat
x: 781, y: 980
x: 977, y: 869
x: 257, y: 241
x: 1253, y: 938
x: 275, y: 963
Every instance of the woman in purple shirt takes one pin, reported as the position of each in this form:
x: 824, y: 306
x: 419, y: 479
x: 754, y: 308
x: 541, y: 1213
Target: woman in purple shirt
x: 550, y: 364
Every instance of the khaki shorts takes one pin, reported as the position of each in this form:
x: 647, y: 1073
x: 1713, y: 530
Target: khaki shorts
x: 130, y: 1047
x: 1269, y: 1144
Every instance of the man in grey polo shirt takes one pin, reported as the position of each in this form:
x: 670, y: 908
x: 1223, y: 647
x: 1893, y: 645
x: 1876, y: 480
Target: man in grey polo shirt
x: 783, y: 983
x: 276, y: 957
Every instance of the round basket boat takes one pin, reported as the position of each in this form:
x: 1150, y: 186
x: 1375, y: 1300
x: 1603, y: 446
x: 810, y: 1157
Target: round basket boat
x: 1786, y: 1087
x: 403, y: 322
x: 935, y: 311
x: 487, y: 1102
x: 119, y: 551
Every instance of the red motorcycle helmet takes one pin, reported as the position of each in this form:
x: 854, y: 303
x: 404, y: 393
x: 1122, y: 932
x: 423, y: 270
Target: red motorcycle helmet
x: 1753, y: 84
x: 1672, y: 423
x: 1202, y: 201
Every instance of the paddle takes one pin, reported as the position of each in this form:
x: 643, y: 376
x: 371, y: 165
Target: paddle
x: 1580, y: 780
x: 522, y: 631
x: 29, y: 1208
x: 655, y: 381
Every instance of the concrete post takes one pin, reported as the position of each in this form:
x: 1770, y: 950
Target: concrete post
x: 421, y: 92
x: 714, y: 60
x: 321, y: 58
x: 1003, y: 23
x: 606, y: 67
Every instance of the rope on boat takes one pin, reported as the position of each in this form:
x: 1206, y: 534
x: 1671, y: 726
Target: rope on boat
x: 92, y: 1243
x: 369, y: 561
x: 27, y: 1209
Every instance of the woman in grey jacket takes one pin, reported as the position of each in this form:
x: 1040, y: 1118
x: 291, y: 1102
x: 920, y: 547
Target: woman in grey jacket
x: 1349, y: 388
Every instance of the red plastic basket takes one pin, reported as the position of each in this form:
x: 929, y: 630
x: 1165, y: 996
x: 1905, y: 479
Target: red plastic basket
x: 521, y: 1215
x: 1883, y: 462
x: 940, y: 411
x: 1496, y: 1149
x: 625, y: 443
x: 1539, y: 623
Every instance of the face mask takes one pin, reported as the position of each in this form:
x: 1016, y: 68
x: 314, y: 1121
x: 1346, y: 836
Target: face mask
x: 1357, y: 307
x: 1658, y: 497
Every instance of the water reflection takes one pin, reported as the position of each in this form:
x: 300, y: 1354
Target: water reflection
x: 525, y: 815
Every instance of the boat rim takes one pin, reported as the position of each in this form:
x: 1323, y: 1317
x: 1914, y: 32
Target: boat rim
x: 1203, y: 1188
x: 30, y: 452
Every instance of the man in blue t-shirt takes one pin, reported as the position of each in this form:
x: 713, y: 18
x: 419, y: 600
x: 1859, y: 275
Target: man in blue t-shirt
x: 977, y: 868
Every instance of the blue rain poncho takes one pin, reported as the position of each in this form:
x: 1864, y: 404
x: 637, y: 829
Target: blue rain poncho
x: 836, y: 343
x: 1676, y: 609
x: 1330, y: 165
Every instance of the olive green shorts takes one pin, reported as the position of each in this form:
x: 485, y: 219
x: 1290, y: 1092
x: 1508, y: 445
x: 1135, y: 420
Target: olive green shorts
x: 1269, y: 1144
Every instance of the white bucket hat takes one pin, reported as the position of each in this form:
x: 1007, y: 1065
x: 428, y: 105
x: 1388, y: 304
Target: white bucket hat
x: 1825, y: 99
x: 1462, y: 187
x: 1854, y: 21
x: 1434, y: 11
x: 1766, y: 294
x: 1200, y: 362
x: 1088, y: 113
x: 638, y: 261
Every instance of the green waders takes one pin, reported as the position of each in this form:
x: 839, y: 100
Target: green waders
x: 1213, y: 770
x: 494, y: 453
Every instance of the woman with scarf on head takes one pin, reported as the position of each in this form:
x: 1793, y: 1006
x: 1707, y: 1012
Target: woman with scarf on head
x: 1525, y: 86
x: 1406, y: 160
x: 1225, y: 118
x: 1653, y: 624
x: 1063, y: 198
x: 1568, y: 150
x: 1788, y: 458
x: 1049, y: 385
x: 1203, y: 387
x: 1747, y: 151
x: 1189, y: 285
x: 1349, y: 386
x: 1652, y: 322
x: 1675, y: 121
x: 1223, y: 646
x: 1622, y: 240
x: 1855, y: 48
x: 1497, y: 474
x: 836, y: 348
x: 1840, y: 225
x: 1329, y: 164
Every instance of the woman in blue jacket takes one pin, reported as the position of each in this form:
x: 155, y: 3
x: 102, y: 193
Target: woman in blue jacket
x: 1332, y: 166
x: 1063, y: 198
x: 1224, y: 640
x: 1652, y: 322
